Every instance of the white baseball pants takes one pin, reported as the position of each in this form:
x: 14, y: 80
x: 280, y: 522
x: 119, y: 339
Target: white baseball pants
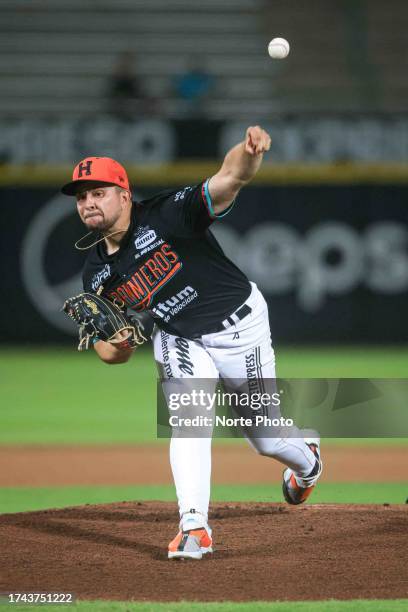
x: 228, y: 354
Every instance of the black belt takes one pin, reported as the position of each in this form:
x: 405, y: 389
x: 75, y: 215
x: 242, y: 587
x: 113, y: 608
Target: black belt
x: 233, y: 319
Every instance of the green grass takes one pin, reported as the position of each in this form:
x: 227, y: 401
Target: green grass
x: 20, y: 499
x: 343, y: 362
x: 60, y: 396
x: 357, y: 605
x: 57, y: 396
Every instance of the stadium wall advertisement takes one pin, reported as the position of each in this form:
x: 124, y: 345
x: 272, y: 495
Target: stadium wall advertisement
x: 317, y: 139
x: 332, y: 261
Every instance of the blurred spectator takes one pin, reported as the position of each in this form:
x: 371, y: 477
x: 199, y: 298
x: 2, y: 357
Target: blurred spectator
x: 193, y: 88
x: 126, y: 94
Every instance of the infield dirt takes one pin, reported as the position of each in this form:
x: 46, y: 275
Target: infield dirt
x: 263, y: 552
x: 42, y: 466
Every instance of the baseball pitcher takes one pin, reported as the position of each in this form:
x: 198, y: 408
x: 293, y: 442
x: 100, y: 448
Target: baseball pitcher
x: 211, y: 322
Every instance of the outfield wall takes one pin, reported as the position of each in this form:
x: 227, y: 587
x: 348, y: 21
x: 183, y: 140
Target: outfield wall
x: 326, y: 244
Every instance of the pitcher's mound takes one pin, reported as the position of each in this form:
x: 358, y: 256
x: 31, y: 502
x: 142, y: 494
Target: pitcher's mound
x: 262, y: 552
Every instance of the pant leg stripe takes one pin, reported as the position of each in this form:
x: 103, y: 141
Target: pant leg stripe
x: 260, y: 375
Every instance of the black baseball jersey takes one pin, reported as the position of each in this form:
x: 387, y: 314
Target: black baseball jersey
x: 170, y: 264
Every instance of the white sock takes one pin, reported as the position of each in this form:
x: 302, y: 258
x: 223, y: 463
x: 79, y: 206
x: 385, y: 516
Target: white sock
x: 190, y: 460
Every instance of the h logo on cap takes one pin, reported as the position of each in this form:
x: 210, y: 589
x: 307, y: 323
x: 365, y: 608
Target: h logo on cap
x: 85, y: 168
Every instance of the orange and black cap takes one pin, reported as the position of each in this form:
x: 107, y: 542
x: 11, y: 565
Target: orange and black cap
x: 102, y: 170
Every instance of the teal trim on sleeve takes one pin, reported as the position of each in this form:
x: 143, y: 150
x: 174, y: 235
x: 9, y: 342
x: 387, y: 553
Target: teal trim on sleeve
x: 226, y: 211
x: 208, y: 199
x: 210, y: 205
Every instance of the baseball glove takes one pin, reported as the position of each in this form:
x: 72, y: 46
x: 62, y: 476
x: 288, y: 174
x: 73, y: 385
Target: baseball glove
x: 100, y: 319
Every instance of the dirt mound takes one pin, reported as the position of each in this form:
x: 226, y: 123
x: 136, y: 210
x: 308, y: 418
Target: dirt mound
x: 263, y: 552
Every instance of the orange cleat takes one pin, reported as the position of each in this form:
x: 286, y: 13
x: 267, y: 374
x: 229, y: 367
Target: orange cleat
x: 296, y: 489
x: 191, y: 544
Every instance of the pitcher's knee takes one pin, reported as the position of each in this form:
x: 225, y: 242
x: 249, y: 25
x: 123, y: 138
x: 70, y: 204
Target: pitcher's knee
x: 267, y: 447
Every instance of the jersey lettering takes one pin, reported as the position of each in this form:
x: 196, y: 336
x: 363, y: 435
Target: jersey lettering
x: 183, y: 356
x: 138, y: 291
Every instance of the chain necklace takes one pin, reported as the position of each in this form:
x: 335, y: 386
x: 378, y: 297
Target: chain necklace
x: 89, y: 246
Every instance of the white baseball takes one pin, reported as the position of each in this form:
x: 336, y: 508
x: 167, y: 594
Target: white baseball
x: 278, y: 48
